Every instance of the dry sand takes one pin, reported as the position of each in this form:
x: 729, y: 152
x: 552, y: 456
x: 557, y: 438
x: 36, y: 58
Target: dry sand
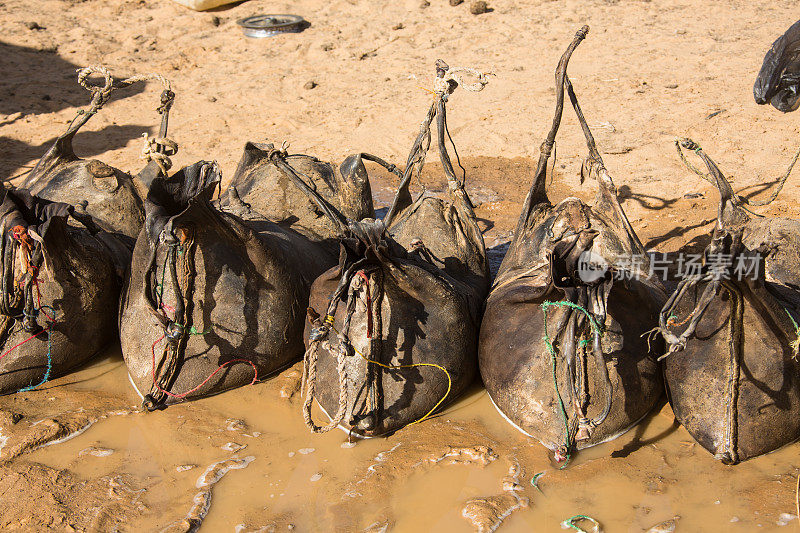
x: 649, y: 72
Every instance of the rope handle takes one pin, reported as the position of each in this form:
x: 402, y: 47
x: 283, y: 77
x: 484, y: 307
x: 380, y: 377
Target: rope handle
x: 445, y: 82
x: 102, y: 92
x: 738, y: 200
x: 454, y: 76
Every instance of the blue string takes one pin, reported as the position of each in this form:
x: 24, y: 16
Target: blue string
x: 49, y: 353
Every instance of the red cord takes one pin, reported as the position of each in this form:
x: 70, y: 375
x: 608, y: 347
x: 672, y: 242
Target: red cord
x: 39, y: 299
x: 23, y: 342
x: 223, y: 365
x: 34, y: 272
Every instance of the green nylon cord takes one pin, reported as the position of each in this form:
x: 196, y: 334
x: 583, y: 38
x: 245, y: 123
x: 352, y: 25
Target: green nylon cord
x: 551, y: 350
x: 193, y: 330
x: 794, y: 345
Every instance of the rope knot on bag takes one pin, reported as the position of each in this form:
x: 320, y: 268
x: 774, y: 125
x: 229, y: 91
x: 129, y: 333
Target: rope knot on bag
x: 279, y: 153
x: 159, y: 149
x: 21, y: 249
x: 100, y: 93
x: 454, y: 76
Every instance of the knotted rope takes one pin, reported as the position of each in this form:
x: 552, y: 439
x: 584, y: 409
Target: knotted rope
x: 159, y: 149
x: 351, y: 283
x: 100, y: 94
x: 358, y: 279
x: 310, y: 378
x: 19, y: 250
x: 454, y: 76
x: 795, y: 344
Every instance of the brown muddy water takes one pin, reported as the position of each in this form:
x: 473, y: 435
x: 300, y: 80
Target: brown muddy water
x: 85, y: 456
x: 79, y: 453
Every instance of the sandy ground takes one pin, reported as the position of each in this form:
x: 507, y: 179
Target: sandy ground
x: 648, y: 73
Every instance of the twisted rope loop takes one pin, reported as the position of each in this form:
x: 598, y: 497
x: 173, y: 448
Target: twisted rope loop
x: 159, y: 149
x: 108, y: 81
x: 310, y: 379
x: 100, y: 94
x: 442, y: 85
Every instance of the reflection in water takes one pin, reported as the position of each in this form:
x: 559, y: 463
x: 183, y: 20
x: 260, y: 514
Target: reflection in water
x: 464, y: 470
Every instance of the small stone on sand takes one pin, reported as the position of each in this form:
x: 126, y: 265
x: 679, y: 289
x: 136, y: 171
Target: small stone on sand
x: 479, y: 7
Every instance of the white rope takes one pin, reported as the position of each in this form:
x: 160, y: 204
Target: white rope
x: 441, y: 85
x: 150, y: 151
x: 108, y: 84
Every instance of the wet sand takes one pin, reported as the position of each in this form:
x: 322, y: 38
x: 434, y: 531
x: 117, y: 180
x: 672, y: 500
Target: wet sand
x: 244, y: 461
x: 78, y: 454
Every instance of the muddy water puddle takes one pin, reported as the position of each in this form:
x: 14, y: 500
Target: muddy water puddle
x: 79, y: 454
x: 244, y: 461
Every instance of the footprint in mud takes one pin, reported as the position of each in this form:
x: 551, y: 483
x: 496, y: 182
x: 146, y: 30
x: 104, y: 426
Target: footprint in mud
x: 464, y: 455
x: 487, y: 514
x: 233, y: 447
x: 667, y: 526
x: 24, y: 436
x: 233, y: 424
x: 202, y: 500
x: 39, y: 498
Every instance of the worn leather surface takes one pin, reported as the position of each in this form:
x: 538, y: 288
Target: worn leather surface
x: 78, y: 279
